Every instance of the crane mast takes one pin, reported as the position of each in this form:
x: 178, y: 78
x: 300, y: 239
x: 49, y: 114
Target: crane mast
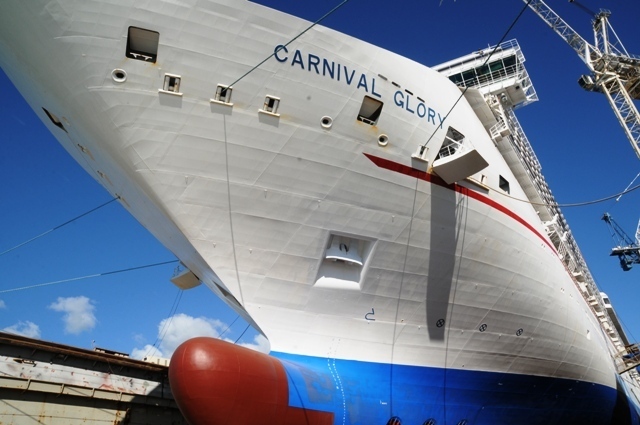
x: 626, y: 249
x: 614, y: 72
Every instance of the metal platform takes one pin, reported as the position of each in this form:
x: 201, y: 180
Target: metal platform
x: 48, y: 383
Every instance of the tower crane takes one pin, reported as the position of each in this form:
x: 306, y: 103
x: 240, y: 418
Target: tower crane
x: 614, y: 71
x: 626, y: 249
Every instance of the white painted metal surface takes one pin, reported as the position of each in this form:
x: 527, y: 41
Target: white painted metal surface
x: 458, y: 277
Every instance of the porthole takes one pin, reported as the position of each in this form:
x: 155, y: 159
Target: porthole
x: 383, y: 140
x: 394, y: 421
x: 119, y: 75
x: 326, y: 122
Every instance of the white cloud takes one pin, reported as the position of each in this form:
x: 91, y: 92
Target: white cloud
x: 28, y: 329
x: 147, y: 350
x: 175, y: 330
x: 181, y: 327
x: 78, y: 313
x: 260, y: 343
x: 2, y: 304
x: 139, y: 338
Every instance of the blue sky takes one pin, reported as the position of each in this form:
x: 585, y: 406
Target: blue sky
x: 582, y: 148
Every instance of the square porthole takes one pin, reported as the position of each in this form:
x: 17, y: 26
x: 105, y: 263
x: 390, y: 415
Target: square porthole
x: 370, y: 110
x: 142, y: 44
x: 271, y: 104
x: 171, y: 84
x: 222, y: 95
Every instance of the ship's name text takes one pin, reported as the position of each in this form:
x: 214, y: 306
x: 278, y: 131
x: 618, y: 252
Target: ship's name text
x: 339, y: 72
x: 405, y: 101
x: 326, y: 68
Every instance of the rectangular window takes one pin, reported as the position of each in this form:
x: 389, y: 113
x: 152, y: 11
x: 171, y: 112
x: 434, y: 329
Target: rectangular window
x: 171, y: 84
x: 142, y: 44
x: 271, y: 104
x: 223, y: 94
x: 504, y: 184
x: 370, y: 110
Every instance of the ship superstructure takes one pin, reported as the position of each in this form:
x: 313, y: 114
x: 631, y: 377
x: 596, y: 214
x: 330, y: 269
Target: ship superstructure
x: 405, y: 259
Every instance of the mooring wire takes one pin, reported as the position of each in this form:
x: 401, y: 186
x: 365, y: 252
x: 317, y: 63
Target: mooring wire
x: 73, y: 279
x: 242, y: 334
x: 229, y: 326
x: 58, y: 226
x: 165, y: 328
x: 448, y: 329
x: 485, y: 62
x: 282, y: 46
x: 575, y: 204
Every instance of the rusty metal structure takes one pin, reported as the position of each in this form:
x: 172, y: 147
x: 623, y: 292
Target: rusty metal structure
x: 48, y: 383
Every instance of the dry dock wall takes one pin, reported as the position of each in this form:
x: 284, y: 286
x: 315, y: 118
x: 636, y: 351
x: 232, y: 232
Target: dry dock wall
x: 48, y: 383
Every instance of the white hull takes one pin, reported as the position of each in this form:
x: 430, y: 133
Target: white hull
x: 249, y: 200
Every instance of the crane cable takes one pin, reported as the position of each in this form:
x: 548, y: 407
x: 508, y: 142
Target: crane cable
x: 58, y: 226
x: 485, y: 62
x: 282, y: 46
x: 73, y: 279
x: 165, y: 327
x: 575, y: 204
x: 395, y: 333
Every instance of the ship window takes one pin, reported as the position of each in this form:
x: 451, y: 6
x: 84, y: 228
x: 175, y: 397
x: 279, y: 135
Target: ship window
x: 504, y: 184
x: 370, y: 110
x: 456, y: 78
x: 142, y: 44
x: 55, y: 120
x: 452, y: 143
x: 271, y: 104
x: 394, y: 421
x: 171, y: 84
x: 223, y: 94
x: 469, y: 77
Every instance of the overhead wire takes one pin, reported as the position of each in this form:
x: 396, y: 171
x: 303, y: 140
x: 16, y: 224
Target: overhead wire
x: 167, y: 323
x: 73, y: 279
x: 485, y: 62
x: 278, y: 48
x: 58, y: 226
x: 628, y: 186
x: 570, y: 205
x: 446, y: 349
x: 242, y: 334
x: 282, y: 46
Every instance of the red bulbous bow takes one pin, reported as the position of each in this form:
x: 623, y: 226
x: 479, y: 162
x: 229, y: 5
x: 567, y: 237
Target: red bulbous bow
x: 218, y: 383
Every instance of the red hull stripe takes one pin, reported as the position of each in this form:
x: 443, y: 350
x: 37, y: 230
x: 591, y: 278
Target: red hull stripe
x: 433, y: 179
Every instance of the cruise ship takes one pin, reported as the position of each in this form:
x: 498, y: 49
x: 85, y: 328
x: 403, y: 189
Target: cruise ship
x: 384, y: 224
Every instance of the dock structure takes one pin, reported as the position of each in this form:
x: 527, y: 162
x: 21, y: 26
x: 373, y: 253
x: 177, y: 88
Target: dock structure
x: 48, y: 383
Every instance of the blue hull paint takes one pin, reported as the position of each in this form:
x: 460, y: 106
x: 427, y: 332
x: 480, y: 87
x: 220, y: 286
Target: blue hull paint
x: 375, y: 392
